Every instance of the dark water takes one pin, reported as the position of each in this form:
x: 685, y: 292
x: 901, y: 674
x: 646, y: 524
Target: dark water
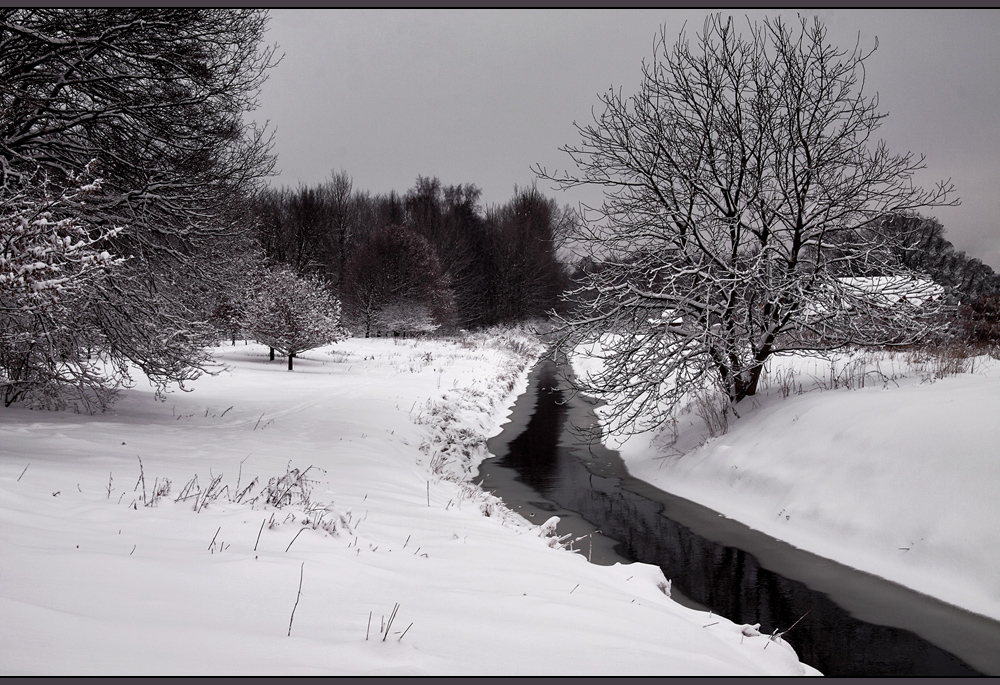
x: 846, y: 622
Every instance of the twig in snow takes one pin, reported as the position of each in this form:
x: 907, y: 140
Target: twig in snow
x: 796, y: 623
x: 258, y: 421
x: 368, y: 629
x: 109, y: 485
x: 239, y: 475
x: 574, y: 588
x: 29, y: 464
x: 142, y: 479
x: 292, y: 618
x: 295, y: 538
x: 212, y: 543
x: 389, y: 624
x: 404, y: 632
x: 776, y: 635
x: 224, y: 413
x: 407, y: 540
x: 258, y: 534
x: 186, y: 490
x: 209, y: 495
x: 133, y: 549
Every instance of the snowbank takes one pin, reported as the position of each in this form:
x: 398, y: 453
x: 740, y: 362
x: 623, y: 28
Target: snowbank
x: 332, y: 503
x: 872, y: 462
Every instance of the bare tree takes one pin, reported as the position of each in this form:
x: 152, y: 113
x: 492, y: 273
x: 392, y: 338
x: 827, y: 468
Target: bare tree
x: 152, y: 102
x: 448, y: 217
x: 524, y: 277
x: 343, y: 213
x: 741, y: 183
x: 229, y: 303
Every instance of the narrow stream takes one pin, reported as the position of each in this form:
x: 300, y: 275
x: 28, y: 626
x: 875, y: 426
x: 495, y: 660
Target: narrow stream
x: 852, y: 623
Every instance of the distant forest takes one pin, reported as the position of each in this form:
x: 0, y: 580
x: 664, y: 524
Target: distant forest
x: 430, y: 258
x: 929, y: 251
x: 433, y: 258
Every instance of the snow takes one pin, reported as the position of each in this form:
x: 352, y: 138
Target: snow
x: 888, y: 290
x: 874, y: 461
x: 93, y: 581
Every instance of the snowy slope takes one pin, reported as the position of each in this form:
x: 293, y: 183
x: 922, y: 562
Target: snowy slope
x: 898, y: 477
x: 94, y: 581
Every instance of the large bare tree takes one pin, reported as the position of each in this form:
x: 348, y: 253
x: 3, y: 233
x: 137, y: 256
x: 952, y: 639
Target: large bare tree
x: 150, y: 103
x: 742, y: 182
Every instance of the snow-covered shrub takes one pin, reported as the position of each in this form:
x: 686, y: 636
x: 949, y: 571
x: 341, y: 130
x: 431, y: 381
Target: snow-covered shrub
x: 292, y: 488
x: 50, y: 258
x: 408, y: 318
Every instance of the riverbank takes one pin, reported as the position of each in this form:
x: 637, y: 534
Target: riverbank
x: 870, y: 461
x: 317, y: 522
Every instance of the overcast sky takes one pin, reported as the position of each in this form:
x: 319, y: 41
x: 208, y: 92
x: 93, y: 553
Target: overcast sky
x: 481, y: 96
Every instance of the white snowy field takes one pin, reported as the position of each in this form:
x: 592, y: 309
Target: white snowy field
x: 870, y: 460
x: 104, y: 571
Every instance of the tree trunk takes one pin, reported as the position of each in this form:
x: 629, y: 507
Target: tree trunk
x: 272, y: 354
x: 290, y: 361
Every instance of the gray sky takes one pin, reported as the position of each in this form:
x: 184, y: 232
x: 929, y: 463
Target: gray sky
x: 480, y: 96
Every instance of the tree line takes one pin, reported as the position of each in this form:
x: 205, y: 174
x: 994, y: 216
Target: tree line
x: 430, y: 259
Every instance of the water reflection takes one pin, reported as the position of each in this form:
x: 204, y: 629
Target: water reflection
x: 649, y: 526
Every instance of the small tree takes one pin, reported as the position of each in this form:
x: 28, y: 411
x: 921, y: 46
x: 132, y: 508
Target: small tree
x: 742, y: 182
x: 229, y: 304
x: 294, y: 313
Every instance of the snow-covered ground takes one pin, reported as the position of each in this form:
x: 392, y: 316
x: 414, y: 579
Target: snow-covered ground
x: 869, y: 460
x: 376, y: 552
